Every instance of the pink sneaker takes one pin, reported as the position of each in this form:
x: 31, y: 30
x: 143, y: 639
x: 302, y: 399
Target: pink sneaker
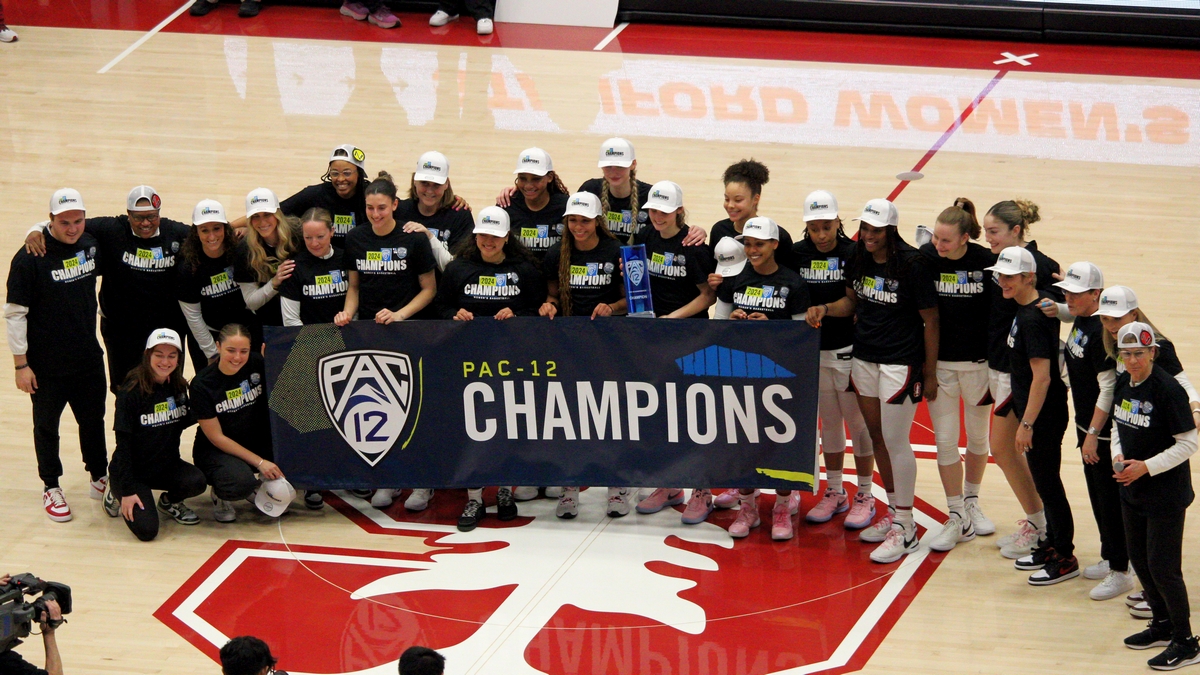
x: 794, y: 502
x: 781, y: 522
x: 729, y: 498
x: 355, y: 10
x: 862, y: 511
x: 833, y: 502
x: 660, y: 499
x: 747, y: 519
x: 384, y: 18
x: 698, y: 507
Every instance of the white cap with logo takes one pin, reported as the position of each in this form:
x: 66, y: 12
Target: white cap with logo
x: 880, y: 213
x: 208, y: 211
x: 433, y: 167
x: 493, y: 220
x: 261, y: 200
x: 1135, y: 335
x: 820, y: 205
x: 349, y: 153
x: 1117, y: 301
x: 583, y: 204
x: 535, y: 161
x: 274, y: 496
x: 139, y: 193
x: 665, y: 196
x: 616, y: 152
x: 1014, y: 260
x: 760, y: 227
x: 164, y: 336
x: 1082, y: 276
x: 65, y: 199
x: 731, y: 257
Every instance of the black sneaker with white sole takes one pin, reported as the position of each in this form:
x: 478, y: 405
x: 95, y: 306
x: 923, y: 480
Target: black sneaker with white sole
x: 177, y: 510
x: 314, y: 500
x: 202, y: 7
x: 1157, y: 634
x: 1056, y: 569
x: 112, y: 505
x: 1178, y: 654
x: 1036, y: 558
x: 471, y: 515
x: 506, y: 508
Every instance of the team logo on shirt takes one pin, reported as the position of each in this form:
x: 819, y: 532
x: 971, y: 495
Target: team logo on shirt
x: 1076, y: 341
x: 1133, y: 412
x: 236, y: 399
x: 148, y: 259
x: 220, y: 284
x: 502, y: 285
x: 75, y: 267
x: 668, y: 265
x: 754, y: 298
x: 384, y: 260
x: 368, y: 395
x: 330, y: 285
x: 960, y: 283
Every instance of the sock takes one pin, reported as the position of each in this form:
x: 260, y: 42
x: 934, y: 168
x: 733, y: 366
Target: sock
x: 970, y: 490
x: 891, y: 497
x: 1038, y: 519
x: 835, y: 481
x: 782, y: 499
x: 749, y: 499
x: 904, y: 518
x: 475, y: 494
x: 956, y: 505
x: 50, y: 484
x: 864, y: 484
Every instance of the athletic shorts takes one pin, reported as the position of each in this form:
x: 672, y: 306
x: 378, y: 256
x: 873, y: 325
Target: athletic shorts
x: 966, y: 380
x: 885, y: 381
x: 1001, y: 385
x: 835, y: 369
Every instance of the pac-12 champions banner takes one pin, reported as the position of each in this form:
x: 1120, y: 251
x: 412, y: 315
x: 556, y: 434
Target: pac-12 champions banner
x: 529, y: 401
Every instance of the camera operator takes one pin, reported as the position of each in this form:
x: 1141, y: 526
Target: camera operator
x: 11, y: 662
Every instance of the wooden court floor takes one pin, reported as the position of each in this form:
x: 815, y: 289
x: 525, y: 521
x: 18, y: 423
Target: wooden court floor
x: 1114, y: 163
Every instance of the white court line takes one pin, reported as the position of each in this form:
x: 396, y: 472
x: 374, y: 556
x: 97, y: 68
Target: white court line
x: 609, y: 38
x: 142, y: 40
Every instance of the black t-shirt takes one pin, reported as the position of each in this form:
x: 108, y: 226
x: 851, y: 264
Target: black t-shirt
x: 1086, y: 359
x: 137, y: 272
x: 780, y: 295
x: 483, y: 288
x: 347, y: 213
x: 448, y: 226
x: 1003, y: 310
x: 319, y: 285
x: 389, y: 267
x: 675, y: 270
x: 963, y: 302
x: 1033, y: 335
x: 620, y: 218
x: 783, y: 254
x: 539, y: 231
x: 212, y: 284
x: 595, y: 275
x: 889, y: 328
x: 59, y: 289
x: 270, y: 314
x: 11, y: 663
x: 237, y: 401
x: 148, y: 428
x: 1147, y: 417
x: 825, y: 275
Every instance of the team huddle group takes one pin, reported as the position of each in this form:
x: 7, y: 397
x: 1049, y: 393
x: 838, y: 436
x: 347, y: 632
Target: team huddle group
x: 951, y: 321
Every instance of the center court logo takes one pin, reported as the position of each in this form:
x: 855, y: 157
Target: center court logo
x: 368, y: 395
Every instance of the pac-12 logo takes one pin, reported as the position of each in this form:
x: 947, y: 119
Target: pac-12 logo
x: 368, y: 395
x: 636, y: 270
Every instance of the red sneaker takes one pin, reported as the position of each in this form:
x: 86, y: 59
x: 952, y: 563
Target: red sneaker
x: 56, y: 505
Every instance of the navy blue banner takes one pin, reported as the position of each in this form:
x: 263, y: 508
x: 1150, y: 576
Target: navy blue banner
x: 530, y: 401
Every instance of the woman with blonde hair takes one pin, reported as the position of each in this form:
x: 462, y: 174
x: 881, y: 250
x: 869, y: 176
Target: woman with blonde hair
x: 262, y: 255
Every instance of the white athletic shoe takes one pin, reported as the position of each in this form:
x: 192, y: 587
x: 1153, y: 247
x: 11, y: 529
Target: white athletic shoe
x: 384, y: 497
x: 1098, y: 571
x: 554, y: 492
x: 1114, y: 584
x: 7, y: 35
x: 98, y: 487
x: 955, y: 531
x: 879, y: 531
x: 982, y: 524
x: 1141, y: 611
x: 1019, y: 543
x: 483, y: 27
x: 568, y: 504
x: 618, y: 502
x: 222, y: 510
x: 524, y: 493
x: 418, y: 500
x: 896, y: 545
x: 441, y: 18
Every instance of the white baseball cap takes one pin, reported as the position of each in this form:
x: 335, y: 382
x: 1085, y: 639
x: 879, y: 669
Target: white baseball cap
x: 1135, y: 335
x: 433, y: 167
x: 922, y: 236
x: 880, y: 213
x: 1082, y: 276
x: 583, y: 204
x: 208, y: 211
x: 349, y: 153
x: 1117, y: 301
x: 274, y: 496
x: 65, y: 199
x: 665, y: 196
x: 261, y: 200
x: 760, y: 227
x: 820, y: 205
x: 616, y: 152
x: 535, y: 161
x: 1014, y: 260
x: 139, y: 193
x: 164, y: 336
x: 493, y: 220
x: 731, y: 257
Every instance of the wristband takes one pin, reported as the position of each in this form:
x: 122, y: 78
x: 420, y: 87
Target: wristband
x: 260, y: 463
x: 23, y: 366
x: 1027, y: 425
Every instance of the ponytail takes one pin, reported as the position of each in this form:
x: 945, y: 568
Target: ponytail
x: 1016, y: 213
x: 962, y: 216
x: 382, y: 185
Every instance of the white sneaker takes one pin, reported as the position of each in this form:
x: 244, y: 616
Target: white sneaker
x: 98, y: 488
x: 222, y: 510
x: 554, y: 492
x: 524, y: 493
x: 618, y: 502
x: 896, y: 545
x: 418, y: 500
x: 384, y: 497
x: 1114, y: 584
x: 955, y: 531
x: 56, y: 505
x: 1141, y: 611
x: 1098, y: 571
x: 7, y: 35
x: 568, y: 504
x: 982, y: 524
x: 1022, y: 541
x: 877, y: 532
x: 441, y: 18
x: 483, y: 27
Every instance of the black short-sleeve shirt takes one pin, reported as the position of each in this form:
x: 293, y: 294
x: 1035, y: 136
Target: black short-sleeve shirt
x: 676, y: 271
x: 964, y: 301
x: 620, y: 218
x: 483, y: 288
x: 1147, y: 417
x: 447, y: 225
x: 138, y: 273
x: 347, y: 213
x: 319, y: 285
x: 889, y: 327
x: 237, y: 401
x: 540, y: 231
x: 595, y: 275
x: 389, y: 267
x: 212, y: 285
x: 1086, y: 358
x: 1033, y: 335
x: 780, y: 295
x: 783, y: 254
x: 1003, y: 310
x: 151, y: 424
x: 825, y: 275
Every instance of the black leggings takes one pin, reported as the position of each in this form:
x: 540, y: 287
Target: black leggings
x: 1156, y: 551
x: 231, y: 478
x: 84, y: 392
x: 1045, y: 462
x: 180, y: 480
x: 1105, y: 495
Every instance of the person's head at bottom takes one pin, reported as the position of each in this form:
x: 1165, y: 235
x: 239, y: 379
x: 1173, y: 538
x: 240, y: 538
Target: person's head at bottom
x: 421, y: 661
x: 247, y: 655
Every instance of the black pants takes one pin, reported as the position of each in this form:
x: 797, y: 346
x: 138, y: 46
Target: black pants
x: 84, y: 392
x: 1105, y: 495
x: 479, y: 9
x: 231, y: 478
x: 125, y: 342
x: 1045, y: 463
x: 1156, y: 551
x: 180, y: 480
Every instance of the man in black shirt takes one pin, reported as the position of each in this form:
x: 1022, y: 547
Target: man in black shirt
x: 11, y: 662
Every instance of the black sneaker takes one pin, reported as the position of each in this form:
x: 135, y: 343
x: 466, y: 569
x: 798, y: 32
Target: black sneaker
x: 112, y: 505
x: 471, y: 515
x: 363, y: 494
x: 202, y: 7
x: 1178, y: 654
x: 506, y: 508
x: 249, y: 9
x: 314, y: 500
x: 1157, y: 634
x: 1056, y: 569
x: 178, y: 510
x: 1036, y: 559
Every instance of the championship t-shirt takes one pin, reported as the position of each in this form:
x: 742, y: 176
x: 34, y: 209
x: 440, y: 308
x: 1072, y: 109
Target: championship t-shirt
x: 138, y: 273
x: 212, y: 284
x: 540, y: 231
x: 595, y: 275
x: 1086, y: 358
x: 347, y: 213
x: 620, y: 218
x: 779, y: 295
x: 825, y: 275
x: 783, y: 255
x: 318, y: 284
x: 1003, y: 310
x: 1146, y: 418
x: 675, y: 270
x: 447, y: 226
x: 59, y: 289
x: 148, y: 428
x: 389, y: 267
x: 889, y: 327
x: 483, y: 288
x: 237, y: 401
x: 1033, y: 335
x: 963, y: 301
